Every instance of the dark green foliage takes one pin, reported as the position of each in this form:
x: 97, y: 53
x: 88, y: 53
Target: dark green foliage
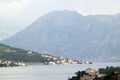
x: 78, y: 75
x: 15, y: 54
x: 109, y: 70
x: 111, y: 74
x: 13, y: 64
x: 3, y: 65
x: 101, y: 78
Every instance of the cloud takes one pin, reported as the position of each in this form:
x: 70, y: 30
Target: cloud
x: 4, y: 34
x: 9, y: 1
x: 93, y: 7
x: 37, y: 8
x: 10, y: 7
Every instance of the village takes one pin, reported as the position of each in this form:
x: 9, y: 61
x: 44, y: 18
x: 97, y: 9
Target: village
x: 52, y: 60
x: 4, y: 63
x: 62, y: 60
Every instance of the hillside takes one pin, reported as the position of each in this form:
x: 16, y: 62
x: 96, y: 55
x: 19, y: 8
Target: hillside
x: 19, y: 55
x: 72, y: 35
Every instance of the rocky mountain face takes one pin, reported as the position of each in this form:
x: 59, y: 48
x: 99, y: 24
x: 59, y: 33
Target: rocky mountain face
x: 72, y: 35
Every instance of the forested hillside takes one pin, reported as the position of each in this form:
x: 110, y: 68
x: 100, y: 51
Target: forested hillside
x: 19, y: 55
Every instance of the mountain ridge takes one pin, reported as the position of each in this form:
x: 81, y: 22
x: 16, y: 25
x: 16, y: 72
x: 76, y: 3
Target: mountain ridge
x: 67, y: 33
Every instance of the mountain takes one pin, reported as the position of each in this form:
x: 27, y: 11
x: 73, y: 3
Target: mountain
x: 72, y: 35
x: 20, y: 55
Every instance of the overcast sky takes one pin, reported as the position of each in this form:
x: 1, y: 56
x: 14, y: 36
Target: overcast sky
x: 18, y: 14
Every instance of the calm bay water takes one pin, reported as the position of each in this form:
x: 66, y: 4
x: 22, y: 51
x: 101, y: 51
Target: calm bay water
x: 48, y: 72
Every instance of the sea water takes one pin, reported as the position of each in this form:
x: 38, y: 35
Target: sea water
x: 48, y: 72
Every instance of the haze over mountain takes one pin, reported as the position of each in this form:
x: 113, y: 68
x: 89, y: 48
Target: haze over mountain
x: 72, y: 35
x: 3, y: 34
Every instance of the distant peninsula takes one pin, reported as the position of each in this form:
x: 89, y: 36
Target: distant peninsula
x: 10, y: 56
